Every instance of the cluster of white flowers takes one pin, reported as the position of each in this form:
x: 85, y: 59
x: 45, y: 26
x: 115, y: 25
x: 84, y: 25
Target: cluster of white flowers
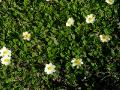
x: 6, y: 56
x: 89, y: 19
x: 50, y: 68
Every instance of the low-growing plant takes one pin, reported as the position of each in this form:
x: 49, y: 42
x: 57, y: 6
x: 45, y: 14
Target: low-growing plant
x: 59, y: 45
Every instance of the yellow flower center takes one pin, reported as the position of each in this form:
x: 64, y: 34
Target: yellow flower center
x: 27, y: 36
x: 50, y: 68
x: 111, y: 1
x: 5, y: 52
x: 6, y: 60
x: 90, y: 18
x: 105, y: 38
x: 77, y: 62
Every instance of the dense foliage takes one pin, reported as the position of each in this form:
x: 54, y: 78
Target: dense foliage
x: 52, y: 41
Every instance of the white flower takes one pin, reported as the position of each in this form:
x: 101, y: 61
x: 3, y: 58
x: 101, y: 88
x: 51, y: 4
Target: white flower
x: 0, y: 0
x: 90, y: 18
x: 76, y: 62
x: 110, y: 2
x: 5, y: 52
x: 47, y: 0
x: 49, y: 68
x: 70, y: 22
x: 26, y: 36
x: 104, y: 38
x: 5, y: 60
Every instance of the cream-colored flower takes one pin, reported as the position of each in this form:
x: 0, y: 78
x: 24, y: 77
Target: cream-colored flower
x: 49, y: 68
x: 110, y: 2
x: 70, y: 22
x: 0, y: 0
x: 5, y: 52
x: 5, y: 60
x: 104, y: 38
x: 26, y: 36
x: 90, y: 18
x: 76, y: 62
